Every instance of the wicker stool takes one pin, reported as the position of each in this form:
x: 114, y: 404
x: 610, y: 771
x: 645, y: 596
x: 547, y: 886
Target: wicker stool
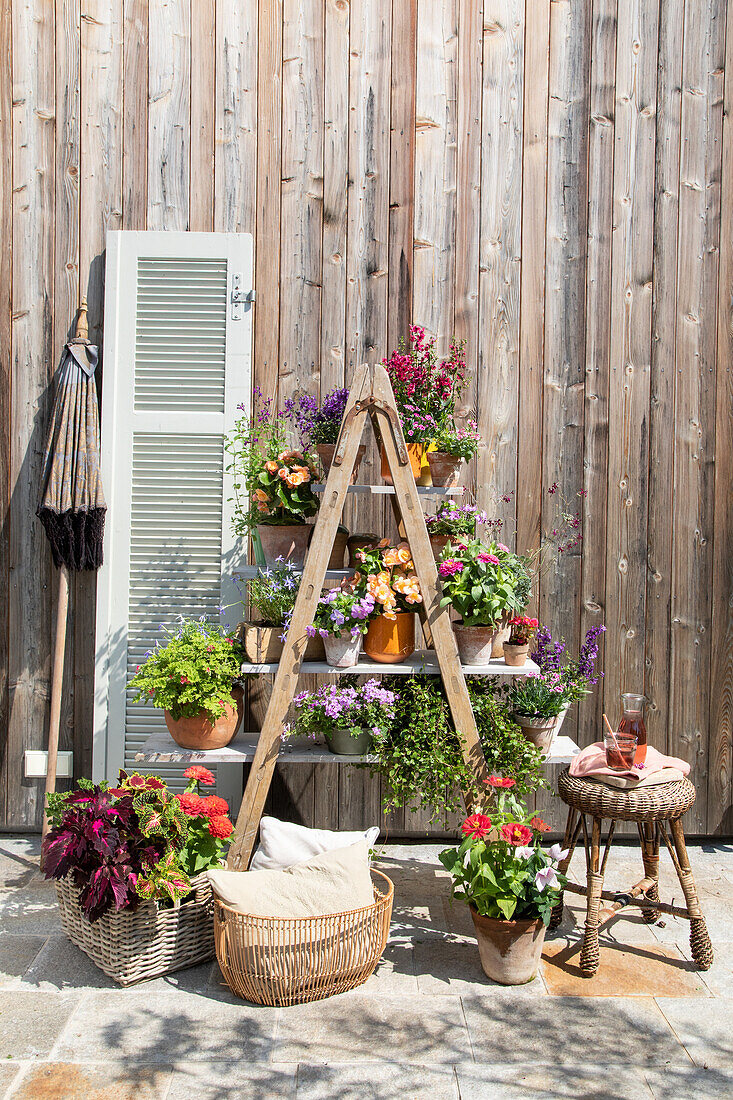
x: 657, y: 812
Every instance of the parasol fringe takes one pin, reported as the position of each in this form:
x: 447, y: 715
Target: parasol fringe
x: 76, y: 538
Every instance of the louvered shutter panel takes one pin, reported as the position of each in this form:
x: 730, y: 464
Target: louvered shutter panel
x: 177, y: 363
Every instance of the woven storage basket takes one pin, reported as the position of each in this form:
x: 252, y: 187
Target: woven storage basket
x: 133, y: 945
x: 281, y: 962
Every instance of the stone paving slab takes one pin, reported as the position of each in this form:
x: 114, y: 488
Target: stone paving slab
x: 690, y: 1083
x: 30, y: 1023
x: 105, y: 1081
x: 454, y: 967
x: 17, y: 952
x: 705, y: 1028
x: 642, y: 970
x: 233, y: 1081
x: 376, y: 1081
x: 600, y: 1082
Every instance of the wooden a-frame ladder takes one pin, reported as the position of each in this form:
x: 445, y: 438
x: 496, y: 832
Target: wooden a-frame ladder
x: 370, y: 396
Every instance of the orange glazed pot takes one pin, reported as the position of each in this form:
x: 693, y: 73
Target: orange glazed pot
x: 390, y: 641
x: 199, y: 732
x: 417, y: 453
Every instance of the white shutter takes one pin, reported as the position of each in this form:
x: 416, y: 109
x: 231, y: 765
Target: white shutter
x: 177, y: 363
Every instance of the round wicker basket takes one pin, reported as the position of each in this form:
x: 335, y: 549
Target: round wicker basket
x: 272, y: 961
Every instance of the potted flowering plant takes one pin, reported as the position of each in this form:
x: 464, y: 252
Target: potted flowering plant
x: 192, y: 678
x: 540, y: 701
x: 509, y: 882
x: 273, y: 494
x: 341, y: 618
x: 453, y: 523
x: 483, y: 583
x: 348, y: 717
x: 452, y: 447
x: 129, y: 863
x: 521, y: 632
x: 272, y: 596
x: 319, y: 427
x: 388, y: 577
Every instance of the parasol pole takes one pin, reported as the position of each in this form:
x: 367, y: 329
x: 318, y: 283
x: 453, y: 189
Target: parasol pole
x: 59, y: 651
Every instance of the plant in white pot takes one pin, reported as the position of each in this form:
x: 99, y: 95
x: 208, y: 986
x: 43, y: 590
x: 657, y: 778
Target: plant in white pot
x: 348, y: 716
x: 510, y: 884
x: 342, y: 617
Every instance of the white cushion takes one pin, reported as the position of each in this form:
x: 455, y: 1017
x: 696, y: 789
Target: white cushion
x: 282, y: 843
x: 332, y: 882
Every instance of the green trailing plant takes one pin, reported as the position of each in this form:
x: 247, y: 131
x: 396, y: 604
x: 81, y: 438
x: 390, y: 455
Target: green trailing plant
x: 193, y: 671
x: 506, y: 750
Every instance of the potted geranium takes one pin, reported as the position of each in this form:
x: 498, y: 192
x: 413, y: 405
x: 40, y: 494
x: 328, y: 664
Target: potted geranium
x: 451, y: 447
x: 388, y: 577
x: 483, y: 583
x: 521, y: 632
x: 193, y: 677
x: 272, y: 596
x: 541, y: 700
x: 453, y: 523
x: 272, y: 481
x: 341, y: 618
x: 348, y: 716
x: 319, y: 426
x: 129, y: 865
x: 509, y: 882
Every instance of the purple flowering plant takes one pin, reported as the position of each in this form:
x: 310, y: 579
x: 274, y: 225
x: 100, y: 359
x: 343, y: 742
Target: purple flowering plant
x: 344, y: 610
x: 456, y: 520
x: 560, y: 682
x: 272, y: 593
x: 316, y: 424
x: 344, y: 706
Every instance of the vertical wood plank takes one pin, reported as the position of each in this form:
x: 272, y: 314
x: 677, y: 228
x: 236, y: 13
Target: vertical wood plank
x: 692, y: 571
x: 435, y: 169
x: 169, y: 114
x: 135, y: 115
x: 500, y: 273
x: 203, y: 55
x: 235, y: 200
x: 532, y: 316
x: 720, y: 746
x: 6, y: 310
x: 29, y: 600
x: 597, y: 336
x: 402, y: 169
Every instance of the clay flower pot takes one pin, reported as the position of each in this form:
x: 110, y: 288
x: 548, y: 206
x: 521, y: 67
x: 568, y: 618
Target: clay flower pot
x: 199, y: 732
x: 538, y: 731
x: 286, y: 541
x: 445, y: 469
x: 349, y: 742
x: 510, y: 950
x: 475, y: 643
x: 438, y: 544
x: 326, y: 451
x: 342, y: 651
x: 515, y: 655
x: 417, y: 453
x: 391, y: 641
x: 360, y: 541
x: 338, y: 553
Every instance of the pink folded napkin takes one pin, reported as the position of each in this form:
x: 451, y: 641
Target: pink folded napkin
x: 590, y: 763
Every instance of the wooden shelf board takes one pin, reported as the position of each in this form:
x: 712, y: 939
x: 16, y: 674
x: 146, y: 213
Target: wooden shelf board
x: 247, y: 572
x: 161, y: 749
x: 416, y: 665
x: 388, y: 490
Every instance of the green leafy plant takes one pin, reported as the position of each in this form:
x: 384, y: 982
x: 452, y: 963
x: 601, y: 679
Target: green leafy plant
x: 456, y: 521
x: 501, y: 868
x: 481, y: 582
x: 272, y: 594
x: 460, y: 442
x: 506, y: 750
x: 193, y: 671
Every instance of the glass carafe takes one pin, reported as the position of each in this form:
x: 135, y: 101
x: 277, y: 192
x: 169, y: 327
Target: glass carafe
x: 632, y: 720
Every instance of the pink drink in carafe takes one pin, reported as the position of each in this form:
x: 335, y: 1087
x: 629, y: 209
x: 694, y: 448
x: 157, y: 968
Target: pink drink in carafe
x: 632, y: 722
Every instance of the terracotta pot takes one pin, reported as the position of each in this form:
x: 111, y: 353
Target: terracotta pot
x: 515, y: 655
x: 326, y: 451
x: 475, y: 643
x: 540, y: 732
x: 361, y: 541
x: 502, y: 635
x: 445, y: 469
x: 391, y: 641
x: 353, y: 742
x: 286, y: 541
x: 342, y: 651
x: 262, y: 644
x: 510, y: 950
x: 438, y: 543
x: 199, y: 732
x: 417, y: 453
x: 338, y: 553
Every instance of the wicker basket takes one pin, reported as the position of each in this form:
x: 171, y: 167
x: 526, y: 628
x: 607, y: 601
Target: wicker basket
x: 281, y: 962
x: 136, y: 944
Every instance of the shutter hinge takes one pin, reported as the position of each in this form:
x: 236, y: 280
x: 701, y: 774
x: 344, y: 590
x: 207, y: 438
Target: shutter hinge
x: 240, y: 299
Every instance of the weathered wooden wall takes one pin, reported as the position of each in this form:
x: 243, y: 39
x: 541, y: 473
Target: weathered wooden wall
x: 551, y: 180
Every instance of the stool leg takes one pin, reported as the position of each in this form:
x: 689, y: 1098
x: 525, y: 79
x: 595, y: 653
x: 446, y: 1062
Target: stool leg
x: 649, y: 838
x: 572, y: 828
x: 590, y: 956
x: 700, y: 946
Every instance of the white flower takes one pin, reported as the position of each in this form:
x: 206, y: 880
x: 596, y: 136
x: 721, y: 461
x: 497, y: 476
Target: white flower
x: 467, y: 860
x: 546, y: 877
x: 524, y: 851
x: 557, y: 853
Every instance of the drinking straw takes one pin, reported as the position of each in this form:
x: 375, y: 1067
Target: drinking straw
x: 612, y: 732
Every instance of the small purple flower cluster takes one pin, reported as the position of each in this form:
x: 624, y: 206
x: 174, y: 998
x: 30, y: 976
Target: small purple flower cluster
x: 368, y: 706
x: 317, y: 425
x: 589, y: 655
x: 548, y: 654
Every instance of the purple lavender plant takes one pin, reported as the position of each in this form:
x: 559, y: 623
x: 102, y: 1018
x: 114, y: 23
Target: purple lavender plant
x: 317, y: 425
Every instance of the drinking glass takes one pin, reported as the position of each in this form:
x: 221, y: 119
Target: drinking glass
x: 620, y: 750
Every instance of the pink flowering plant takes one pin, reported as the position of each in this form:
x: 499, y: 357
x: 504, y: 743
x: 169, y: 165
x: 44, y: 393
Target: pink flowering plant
x: 482, y: 582
x: 344, y: 706
x: 426, y: 388
x: 500, y: 868
x: 459, y: 442
x: 193, y: 671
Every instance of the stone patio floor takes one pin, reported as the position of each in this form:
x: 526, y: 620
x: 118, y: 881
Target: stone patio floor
x: 428, y: 1024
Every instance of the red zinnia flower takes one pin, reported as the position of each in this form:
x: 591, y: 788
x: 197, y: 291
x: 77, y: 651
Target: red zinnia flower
x: 498, y: 781
x: 192, y: 804
x: 203, y: 775
x: 540, y: 825
x: 477, y: 826
x: 213, y: 806
x: 220, y: 827
x: 514, y: 833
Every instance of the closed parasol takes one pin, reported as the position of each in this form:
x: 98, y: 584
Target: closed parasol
x: 72, y: 506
